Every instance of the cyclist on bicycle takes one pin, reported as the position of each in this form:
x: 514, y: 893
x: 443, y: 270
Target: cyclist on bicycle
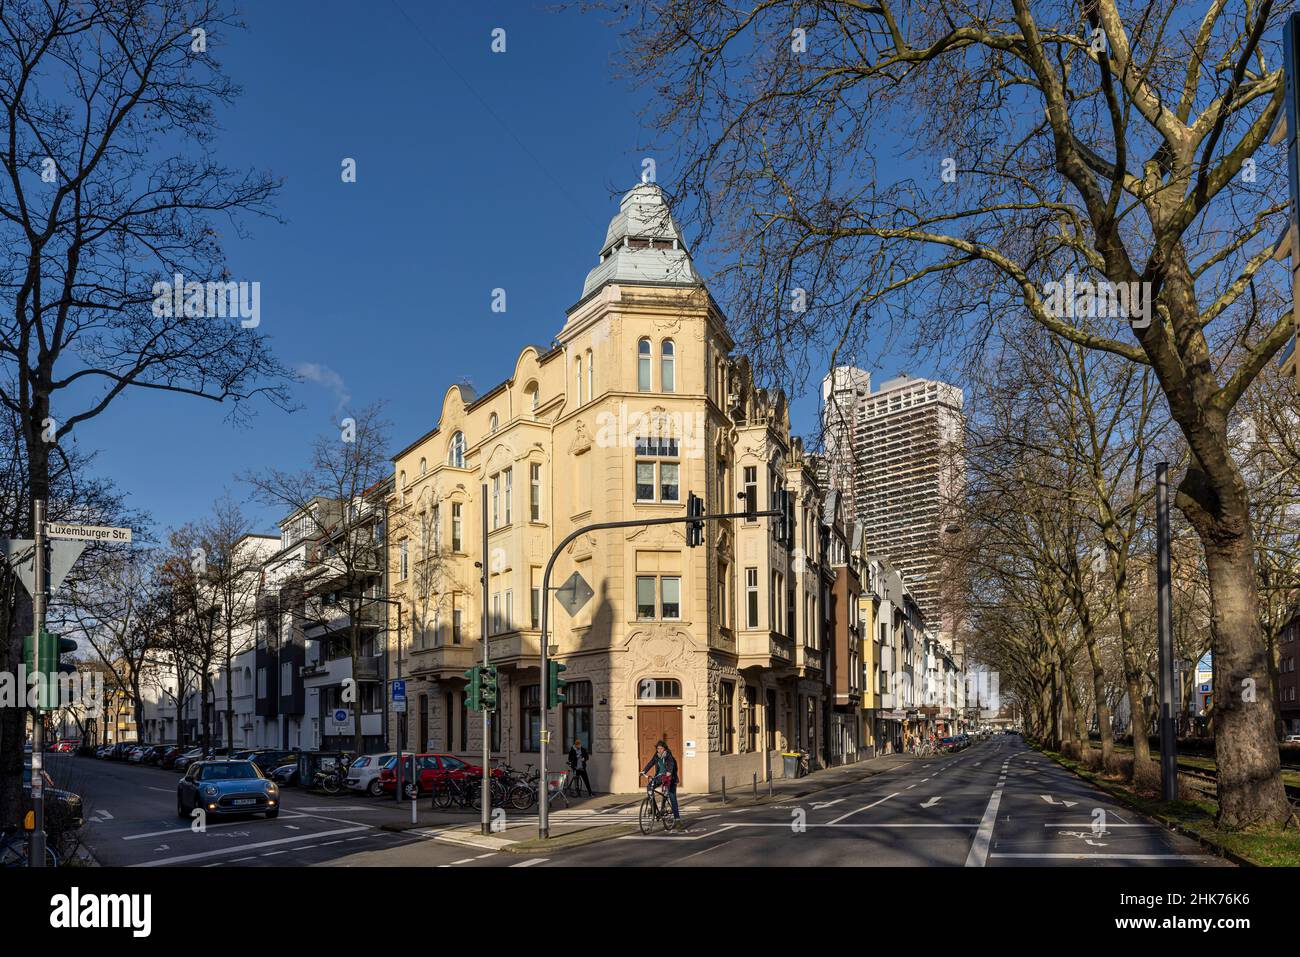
x: 665, y: 774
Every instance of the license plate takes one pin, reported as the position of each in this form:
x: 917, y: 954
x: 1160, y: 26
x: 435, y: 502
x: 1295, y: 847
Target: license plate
x: 245, y: 800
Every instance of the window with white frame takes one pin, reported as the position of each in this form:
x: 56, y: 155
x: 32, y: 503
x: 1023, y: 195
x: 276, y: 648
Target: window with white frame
x: 658, y: 476
x: 509, y: 492
x: 403, y: 560
x: 456, y: 451
x: 751, y: 597
x: 643, y: 360
x: 535, y: 492
x: 658, y: 597
x: 667, y: 366
x: 455, y: 527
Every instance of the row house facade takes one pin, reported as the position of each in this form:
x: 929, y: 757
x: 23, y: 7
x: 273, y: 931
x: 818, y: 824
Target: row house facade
x: 722, y: 650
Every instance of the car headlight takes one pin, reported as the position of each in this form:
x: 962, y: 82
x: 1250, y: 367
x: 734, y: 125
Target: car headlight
x: 210, y: 790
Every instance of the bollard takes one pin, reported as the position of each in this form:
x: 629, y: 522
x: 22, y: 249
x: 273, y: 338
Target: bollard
x: 724, y: 789
x: 414, y: 819
x: 755, y: 785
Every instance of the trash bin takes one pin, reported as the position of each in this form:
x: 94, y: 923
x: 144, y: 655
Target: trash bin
x: 791, y: 763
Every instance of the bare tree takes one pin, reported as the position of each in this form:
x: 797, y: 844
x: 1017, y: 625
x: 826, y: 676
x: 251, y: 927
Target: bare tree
x: 1063, y: 142
x: 338, y: 497
x: 232, y: 564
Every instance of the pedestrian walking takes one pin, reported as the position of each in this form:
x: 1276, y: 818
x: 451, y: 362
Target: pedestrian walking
x: 578, y: 757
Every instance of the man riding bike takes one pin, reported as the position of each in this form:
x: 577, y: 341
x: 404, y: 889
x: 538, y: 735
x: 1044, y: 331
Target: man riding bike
x: 665, y: 774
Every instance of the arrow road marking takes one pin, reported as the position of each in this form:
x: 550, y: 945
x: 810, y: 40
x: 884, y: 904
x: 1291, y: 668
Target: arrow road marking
x: 821, y: 804
x: 1050, y: 800
x: 932, y: 802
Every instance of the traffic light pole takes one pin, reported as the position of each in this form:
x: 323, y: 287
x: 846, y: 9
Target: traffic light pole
x: 36, y: 848
x: 486, y: 794
x: 543, y: 798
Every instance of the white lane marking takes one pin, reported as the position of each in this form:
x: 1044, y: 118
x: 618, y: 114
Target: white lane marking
x: 164, y: 790
x: 490, y: 854
x: 979, y: 848
x: 530, y: 862
x: 246, y: 847
x: 1088, y: 824
x: 848, y: 824
x: 932, y: 802
x: 463, y: 860
x: 867, y: 808
x: 186, y: 829
x: 272, y: 853
x: 1117, y: 857
x: 704, y: 851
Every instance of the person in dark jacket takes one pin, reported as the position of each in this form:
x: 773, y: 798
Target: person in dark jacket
x: 578, y: 757
x: 664, y: 764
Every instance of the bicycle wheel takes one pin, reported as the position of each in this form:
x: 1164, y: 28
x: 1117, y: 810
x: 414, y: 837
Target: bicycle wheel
x: 521, y: 797
x: 13, y: 854
x: 666, y: 813
x: 649, y: 811
x: 442, y: 796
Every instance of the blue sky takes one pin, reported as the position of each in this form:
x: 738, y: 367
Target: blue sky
x: 474, y: 171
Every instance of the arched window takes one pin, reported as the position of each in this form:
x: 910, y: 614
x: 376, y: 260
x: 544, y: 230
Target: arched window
x: 577, y: 381
x: 424, y: 466
x: 643, y: 365
x: 652, y: 688
x: 591, y: 377
x: 492, y: 423
x: 401, y: 478
x: 531, y: 394
x: 456, y: 452
x: 667, y: 370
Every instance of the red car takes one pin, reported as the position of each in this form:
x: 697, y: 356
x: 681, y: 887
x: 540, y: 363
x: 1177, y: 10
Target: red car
x: 429, y: 768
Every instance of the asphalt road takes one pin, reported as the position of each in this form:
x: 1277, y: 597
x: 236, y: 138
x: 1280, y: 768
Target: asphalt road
x: 997, y: 804
x: 131, y: 821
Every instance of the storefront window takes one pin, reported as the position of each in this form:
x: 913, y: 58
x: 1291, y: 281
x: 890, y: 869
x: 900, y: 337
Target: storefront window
x: 530, y: 710
x: 578, y: 716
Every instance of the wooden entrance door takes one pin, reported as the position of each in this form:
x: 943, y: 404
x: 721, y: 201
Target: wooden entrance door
x: 655, y: 722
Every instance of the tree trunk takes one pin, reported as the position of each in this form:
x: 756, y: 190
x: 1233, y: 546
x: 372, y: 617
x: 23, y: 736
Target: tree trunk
x: 230, y: 708
x: 1104, y: 730
x: 1250, y: 787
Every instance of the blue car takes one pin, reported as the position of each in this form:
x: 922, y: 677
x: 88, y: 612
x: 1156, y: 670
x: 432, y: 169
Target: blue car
x: 227, y: 787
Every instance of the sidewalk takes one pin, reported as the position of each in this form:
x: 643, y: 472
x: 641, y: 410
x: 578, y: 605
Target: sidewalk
x: 588, y: 820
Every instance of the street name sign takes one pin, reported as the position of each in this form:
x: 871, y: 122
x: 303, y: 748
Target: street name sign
x: 92, y: 533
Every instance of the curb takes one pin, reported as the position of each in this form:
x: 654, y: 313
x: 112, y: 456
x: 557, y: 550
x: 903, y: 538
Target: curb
x: 1201, y: 839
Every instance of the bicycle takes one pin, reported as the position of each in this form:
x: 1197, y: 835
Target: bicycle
x: 465, y: 792
x: 14, y: 850
x: 657, y: 806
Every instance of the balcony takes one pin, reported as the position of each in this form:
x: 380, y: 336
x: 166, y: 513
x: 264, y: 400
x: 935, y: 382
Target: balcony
x: 763, y: 649
x: 809, y: 659
x: 516, y: 648
x: 444, y: 661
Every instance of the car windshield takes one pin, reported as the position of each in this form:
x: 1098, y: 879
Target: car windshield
x: 228, y: 771
x: 360, y: 762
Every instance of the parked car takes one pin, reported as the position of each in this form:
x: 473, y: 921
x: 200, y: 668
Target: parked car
x: 62, y: 807
x: 121, y: 750
x: 154, y: 754
x: 286, y: 775
x: 363, y: 773
x: 102, y: 750
x: 226, y: 787
x: 136, y: 754
x: 168, y: 759
x: 268, y: 759
x: 188, y: 758
x: 1292, y: 739
x: 67, y: 745
x: 429, y: 768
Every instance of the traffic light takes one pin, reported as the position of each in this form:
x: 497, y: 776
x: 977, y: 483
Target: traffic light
x: 783, y: 523
x: 488, y: 693
x: 555, y: 685
x: 695, y: 529
x: 52, y: 648
x: 474, y: 691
